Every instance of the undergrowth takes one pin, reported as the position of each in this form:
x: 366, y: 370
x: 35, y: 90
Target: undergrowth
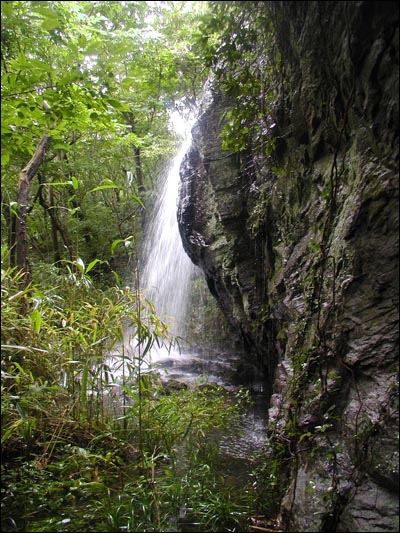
x: 91, y: 439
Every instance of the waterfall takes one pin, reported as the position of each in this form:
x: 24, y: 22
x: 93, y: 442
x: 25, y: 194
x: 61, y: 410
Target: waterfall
x: 167, y: 271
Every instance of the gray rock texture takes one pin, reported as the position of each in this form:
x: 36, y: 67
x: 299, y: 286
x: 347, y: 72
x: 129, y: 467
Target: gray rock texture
x: 300, y: 248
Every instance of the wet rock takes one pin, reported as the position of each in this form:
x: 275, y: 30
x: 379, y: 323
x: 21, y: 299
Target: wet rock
x: 173, y: 385
x: 307, y: 275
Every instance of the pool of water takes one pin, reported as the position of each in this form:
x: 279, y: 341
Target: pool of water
x: 196, y: 367
x: 247, y: 436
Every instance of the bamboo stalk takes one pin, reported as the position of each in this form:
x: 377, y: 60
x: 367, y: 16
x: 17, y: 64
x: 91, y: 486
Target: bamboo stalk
x: 259, y: 528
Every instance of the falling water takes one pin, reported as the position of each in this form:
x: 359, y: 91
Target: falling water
x: 167, y: 271
x: 166, y: 276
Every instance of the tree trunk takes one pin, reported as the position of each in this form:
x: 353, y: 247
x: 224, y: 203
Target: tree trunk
x: 139, y: 170
x: 24, y: 181
x: 56, y: 225
x: 56, y: 247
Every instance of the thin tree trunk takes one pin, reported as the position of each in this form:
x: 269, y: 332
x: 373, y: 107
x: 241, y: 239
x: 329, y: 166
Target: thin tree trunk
x: 139, y: 170
x: 10, y: 218
x: 25, y: 178
x: 56, y: 247
x: 56, y: 225
x: 13, y: 240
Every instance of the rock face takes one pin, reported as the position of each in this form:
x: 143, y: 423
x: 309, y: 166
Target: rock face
x: 213, y: 217
x: 300, y: 249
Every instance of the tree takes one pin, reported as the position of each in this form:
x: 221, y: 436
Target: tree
x: 45, y: 94
x: 99, y: 79
x: 25, y: 178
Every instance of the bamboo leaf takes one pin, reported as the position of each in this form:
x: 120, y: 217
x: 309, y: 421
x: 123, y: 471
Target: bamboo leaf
x: 148, y: 346
x: 19, y: 367
x: 23, y: 348
x: 36, y: 319
x: 138, y: 200
x: 117, y: 279
x: 130, y: 392
x: 75, y: 183
x: 12, y: 429
x: 116, y: 242
x: 20, y: 410
x: 58, y: 183
x: 107, y: 184
x: 92, y: 264
x: 17, y: 295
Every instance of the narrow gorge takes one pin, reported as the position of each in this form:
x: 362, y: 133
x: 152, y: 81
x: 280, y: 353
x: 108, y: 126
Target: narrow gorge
x: 297, y: 235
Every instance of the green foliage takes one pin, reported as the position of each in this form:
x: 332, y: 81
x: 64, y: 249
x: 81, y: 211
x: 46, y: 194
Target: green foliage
x: 99, y: 451
x: 238, y: 44
x: 66, y: 339
x: 99, y: 79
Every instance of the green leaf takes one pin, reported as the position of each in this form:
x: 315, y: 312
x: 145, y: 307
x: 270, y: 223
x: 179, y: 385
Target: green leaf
x: 44, y: 11
x: 115, y: 243
x: 116, y: 104
x: 36, y: 319
x: 50, y: 24
x: 304, y: 436
x: 138, y: 200
x: 93, y: 48
x: 61, y: 146
x: 39, y: 65
x: 75, y: 182
x: 7, y: 8
x: 5, y: 158
x: 108, y: 184
x: 92, y: 264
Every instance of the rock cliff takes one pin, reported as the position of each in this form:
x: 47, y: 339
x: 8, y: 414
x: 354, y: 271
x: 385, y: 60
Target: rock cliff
x: 300, y: 248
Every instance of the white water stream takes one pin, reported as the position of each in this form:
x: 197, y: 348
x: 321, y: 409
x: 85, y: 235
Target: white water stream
x: 166, y: 276
x: 167, y: 271
x: 166, y: 279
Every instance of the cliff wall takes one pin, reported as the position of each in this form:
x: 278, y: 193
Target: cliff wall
x: 300, y: 248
